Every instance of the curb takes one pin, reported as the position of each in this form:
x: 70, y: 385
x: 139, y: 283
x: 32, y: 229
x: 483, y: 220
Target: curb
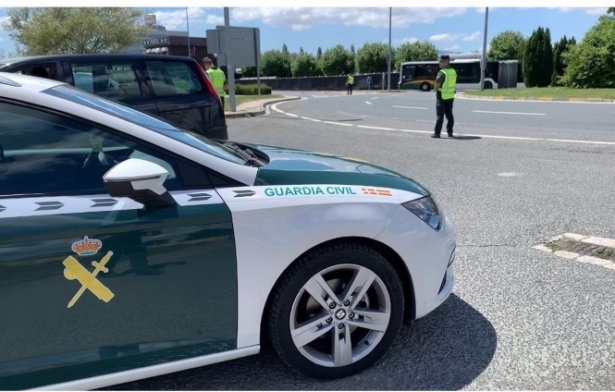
x: 261, y: 111
x: 547, y: 99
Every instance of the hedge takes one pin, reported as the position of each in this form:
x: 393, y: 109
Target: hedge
x: 252, y: 89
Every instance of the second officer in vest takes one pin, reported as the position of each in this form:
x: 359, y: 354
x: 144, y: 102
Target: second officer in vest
x: 217, y: 78
x: 445, y: 95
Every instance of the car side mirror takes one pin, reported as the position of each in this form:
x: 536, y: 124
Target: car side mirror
x: 139, y: 180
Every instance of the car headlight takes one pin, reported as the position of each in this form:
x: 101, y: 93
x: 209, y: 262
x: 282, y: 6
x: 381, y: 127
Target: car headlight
x: 426, y: 210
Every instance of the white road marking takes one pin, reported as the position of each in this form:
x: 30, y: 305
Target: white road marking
x: 531, y: 139
x: 376, y: 128
x: 338, y: 123
x: 409, y: 107
x: 375, y: 97
x: 511, y: 174
x: 600, y: 241
x: 368, y: 102
x: 290, y: 114
x: 514, y: 113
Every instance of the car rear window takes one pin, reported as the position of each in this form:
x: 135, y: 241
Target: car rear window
x: 170, y: 78
x: 113, y: 80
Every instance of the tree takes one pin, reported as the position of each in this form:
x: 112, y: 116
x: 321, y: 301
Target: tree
x: 319, y: 53
x: 337, y: 61
x: 508, y: 45
x: 353, y: 61
x: 611, y: 11
x: 248, y: 72
x: 305, y: 64
x: 275, y: 63
x: 559, y: 52
x: 538, y: 59
x: 417, y: 51
x: 284, y: 49
x: 301, y: 50
x: 75, y: 30
x: 372, y: 57
x: 589, y: 64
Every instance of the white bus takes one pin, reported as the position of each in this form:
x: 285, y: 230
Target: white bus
x: 421, y: 75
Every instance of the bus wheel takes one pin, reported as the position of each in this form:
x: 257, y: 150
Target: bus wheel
x: 425, y: 87
x: 488, y: 85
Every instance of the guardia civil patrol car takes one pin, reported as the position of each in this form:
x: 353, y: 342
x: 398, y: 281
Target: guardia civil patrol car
x: 131, y: 248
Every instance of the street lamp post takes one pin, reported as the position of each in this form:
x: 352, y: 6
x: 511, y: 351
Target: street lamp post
x: 483, y: 63
x: 389, y: 55
x: 188, y: 32
x: 230, y: 71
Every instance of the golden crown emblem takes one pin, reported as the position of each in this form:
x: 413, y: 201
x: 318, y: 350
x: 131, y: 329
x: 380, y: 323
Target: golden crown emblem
x: 86, y: 246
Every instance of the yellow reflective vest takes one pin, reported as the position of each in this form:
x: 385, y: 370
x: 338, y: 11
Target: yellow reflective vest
x: 447, y: 90
x: 350, y: 79
x: 218, y: 78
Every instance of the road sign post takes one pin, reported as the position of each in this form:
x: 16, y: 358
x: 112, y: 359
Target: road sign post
x: 369, y: 83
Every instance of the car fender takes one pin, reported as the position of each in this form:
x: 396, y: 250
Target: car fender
x: 273, y: 230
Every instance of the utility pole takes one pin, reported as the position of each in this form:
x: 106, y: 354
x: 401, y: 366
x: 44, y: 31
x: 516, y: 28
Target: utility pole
x: 188, y: 31
x: 229, y: 68
x: 483, y: 63
x: 389, y: 55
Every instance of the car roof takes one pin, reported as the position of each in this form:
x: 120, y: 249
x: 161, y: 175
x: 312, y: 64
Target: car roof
x: 96, y: 57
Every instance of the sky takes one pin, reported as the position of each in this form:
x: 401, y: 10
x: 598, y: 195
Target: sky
x: 451, y: 29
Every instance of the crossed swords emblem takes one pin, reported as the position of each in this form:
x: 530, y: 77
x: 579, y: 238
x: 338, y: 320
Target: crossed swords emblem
x: 74, y: 270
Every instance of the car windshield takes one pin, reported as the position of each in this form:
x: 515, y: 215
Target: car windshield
x: 193, y: 139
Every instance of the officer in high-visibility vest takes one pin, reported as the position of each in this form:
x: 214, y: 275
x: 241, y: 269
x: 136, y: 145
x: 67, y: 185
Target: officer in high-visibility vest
x: 217, y: 78
x: 349, y: 84
x: 445, y: 95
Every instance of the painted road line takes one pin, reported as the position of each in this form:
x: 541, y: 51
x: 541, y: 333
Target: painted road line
x: 290, y: 114
x: 514, y: 113
x: 368, y: 102
x: 338, y: 123
x: 600, y: 241
x: 409, y: 107
x: 376, y: 128
x: 311, y: 119
x: 375, y: 97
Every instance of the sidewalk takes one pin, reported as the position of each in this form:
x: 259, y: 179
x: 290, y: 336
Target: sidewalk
x: 256, y: 107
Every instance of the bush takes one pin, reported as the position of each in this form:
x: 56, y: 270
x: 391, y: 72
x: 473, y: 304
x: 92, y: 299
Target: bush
x: 252, y: 89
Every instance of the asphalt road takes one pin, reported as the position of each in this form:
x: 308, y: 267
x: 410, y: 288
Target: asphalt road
x: 519, y: 318
x: 416, y: 110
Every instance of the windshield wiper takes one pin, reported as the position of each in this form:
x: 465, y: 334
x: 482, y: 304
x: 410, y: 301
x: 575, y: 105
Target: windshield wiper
x: 246, y: 154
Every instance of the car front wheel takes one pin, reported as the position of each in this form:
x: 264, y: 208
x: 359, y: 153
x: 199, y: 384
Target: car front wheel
x: 336, y: 311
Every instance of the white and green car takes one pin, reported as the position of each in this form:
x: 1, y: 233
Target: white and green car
x: 131, y: 248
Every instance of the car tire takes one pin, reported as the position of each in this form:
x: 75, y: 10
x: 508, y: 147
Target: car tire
x: 425, y: 87
x: 292, y: 308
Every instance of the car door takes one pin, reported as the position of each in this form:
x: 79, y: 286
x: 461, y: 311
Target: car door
x: 116, y: 79
x: 183, y: 98
x: 48, y: 69
x: 92, y: 284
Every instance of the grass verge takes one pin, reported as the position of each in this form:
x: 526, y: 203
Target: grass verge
x: 239, y: 99
x: 547, y: 92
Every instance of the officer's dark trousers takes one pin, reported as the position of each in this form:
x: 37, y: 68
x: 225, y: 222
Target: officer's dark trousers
x: 444, y: 108
x: 349, y: 89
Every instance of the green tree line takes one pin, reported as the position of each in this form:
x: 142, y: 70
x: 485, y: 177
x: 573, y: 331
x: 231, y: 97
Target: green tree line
x: 339, y: 60
x: 586, y: 64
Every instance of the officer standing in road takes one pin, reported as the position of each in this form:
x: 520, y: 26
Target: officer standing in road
x: 445, y: 95
x: 349, y: 84
x: 217, y: 78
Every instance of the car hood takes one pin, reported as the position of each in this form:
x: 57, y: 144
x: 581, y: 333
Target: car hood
x: 297, y: 167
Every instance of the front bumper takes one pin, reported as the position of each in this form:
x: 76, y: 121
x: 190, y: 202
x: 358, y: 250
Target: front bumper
x: 428, y: 255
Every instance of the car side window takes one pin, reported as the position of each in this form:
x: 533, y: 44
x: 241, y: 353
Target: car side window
x: 171, y: 78
x: 112, y: 80
x: 45, y: 153
x: 46, y: 70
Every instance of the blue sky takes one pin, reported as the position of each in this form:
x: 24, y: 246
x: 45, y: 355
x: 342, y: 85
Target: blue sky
x: 457, y: 29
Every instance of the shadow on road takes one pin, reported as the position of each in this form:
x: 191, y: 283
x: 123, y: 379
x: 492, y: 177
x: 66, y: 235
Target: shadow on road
x: 467, y: 137
x: 444, y: 351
